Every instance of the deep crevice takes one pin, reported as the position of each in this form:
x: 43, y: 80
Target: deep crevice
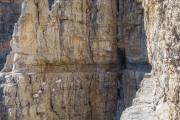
x: 122, y: 57
x: 132, y: 50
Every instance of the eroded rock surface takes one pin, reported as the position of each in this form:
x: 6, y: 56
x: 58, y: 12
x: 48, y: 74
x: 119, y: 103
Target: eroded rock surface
x: 85, y: 60
x: 63, y: 64
x: 158, y: 96
x: 132, y: 49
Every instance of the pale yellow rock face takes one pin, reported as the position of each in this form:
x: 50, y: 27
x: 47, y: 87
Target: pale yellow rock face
x: 60, y: 96
x: 66, y: 34
x: 85, y: 60
x: 63, y: 64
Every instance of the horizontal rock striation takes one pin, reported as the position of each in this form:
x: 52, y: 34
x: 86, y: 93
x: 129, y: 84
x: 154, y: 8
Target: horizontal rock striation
x: 63, y: 63
x: 85, y: 60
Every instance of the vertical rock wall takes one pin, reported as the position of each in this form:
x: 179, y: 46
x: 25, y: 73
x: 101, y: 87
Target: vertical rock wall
x: 63, y: 64
x: 132, y: 47
x: 85, y: 59
x: 162, y: 27
x: 158, y: 96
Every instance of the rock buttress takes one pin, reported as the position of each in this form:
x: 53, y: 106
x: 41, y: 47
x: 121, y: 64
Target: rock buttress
x: 63, y: 62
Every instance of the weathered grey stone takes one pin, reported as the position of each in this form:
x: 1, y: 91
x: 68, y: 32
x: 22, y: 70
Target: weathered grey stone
x: 158, y: 97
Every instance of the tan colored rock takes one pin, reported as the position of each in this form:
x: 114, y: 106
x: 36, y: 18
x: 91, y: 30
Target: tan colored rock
x: 60, y: 96
x: 85, y: 59
x: 158, y: 97
x: 64, y: 63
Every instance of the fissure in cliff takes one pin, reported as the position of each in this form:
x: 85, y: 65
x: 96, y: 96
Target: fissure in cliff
x: 85, y: 60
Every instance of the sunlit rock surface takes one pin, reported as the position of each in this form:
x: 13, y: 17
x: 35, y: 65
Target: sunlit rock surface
x: 91, y: 59
x: 63, y: 64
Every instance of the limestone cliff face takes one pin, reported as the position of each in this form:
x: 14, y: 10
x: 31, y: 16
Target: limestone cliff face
x: 9, y: 14
x: 132, y: 43
x: 63, y: 64
x: 85, y: 59
x: 72, y: 33
x: 158, y: 97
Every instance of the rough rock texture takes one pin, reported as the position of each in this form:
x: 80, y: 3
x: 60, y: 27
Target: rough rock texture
x: 158, y: 96
x: 60, y: 96
x: 63, y: 64
x: 132, y: 49
x: 85, y: 60
x: 9, y: 14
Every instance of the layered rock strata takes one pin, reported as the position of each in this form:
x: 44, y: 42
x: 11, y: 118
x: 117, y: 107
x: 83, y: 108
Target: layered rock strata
x: 63, y: 64
x: 85, y: 59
